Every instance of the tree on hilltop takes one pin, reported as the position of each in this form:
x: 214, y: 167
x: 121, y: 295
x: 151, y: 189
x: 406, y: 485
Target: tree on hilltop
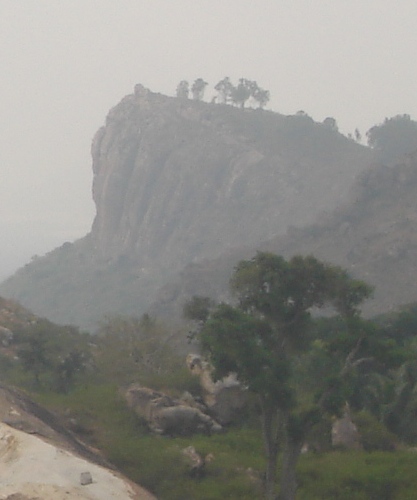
x: 394, y: 138
x: 240, y: 94
x: 224, y: 89
x: 183, y: 89
x: 198, y: 88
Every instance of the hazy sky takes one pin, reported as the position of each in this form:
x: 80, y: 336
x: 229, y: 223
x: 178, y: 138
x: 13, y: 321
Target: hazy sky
x: 65, y: 63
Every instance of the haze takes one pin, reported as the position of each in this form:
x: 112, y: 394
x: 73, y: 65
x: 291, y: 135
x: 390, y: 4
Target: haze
x: 65, y: 64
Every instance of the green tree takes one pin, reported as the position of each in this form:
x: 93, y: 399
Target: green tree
x: 183, y: 89
x: 132, y: 349
x: 242, y: 92
x: 53, y: 354
x: 198, y: 88
x: 247, y: 89
x: 394, y: 138
x: 261, y: 96
x: 225, y: 90
x: 34, y: 355
x: 68, y: 366
x: 264, y: 340
x: 330, y: 123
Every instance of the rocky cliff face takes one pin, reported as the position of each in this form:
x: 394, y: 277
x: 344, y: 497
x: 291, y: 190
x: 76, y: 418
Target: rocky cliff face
x: 176, y: 181
x: 373, y: 236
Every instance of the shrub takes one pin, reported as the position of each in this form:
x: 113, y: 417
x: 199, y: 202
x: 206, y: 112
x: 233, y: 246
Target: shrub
x: 374, y: 434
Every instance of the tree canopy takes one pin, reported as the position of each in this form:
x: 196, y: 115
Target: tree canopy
x: 394, y: 138
x: 266, y: 334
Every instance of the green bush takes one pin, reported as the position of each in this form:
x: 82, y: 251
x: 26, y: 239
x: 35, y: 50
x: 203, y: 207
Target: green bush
x: 374, y: 435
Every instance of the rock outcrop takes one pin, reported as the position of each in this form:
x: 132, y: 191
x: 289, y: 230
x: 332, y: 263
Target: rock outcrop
x: 176, y: 181
x: 373, y: 235
x: 345, y: 433
x: 166, y: 415
x: 40, y: 459
x: 226, y: 398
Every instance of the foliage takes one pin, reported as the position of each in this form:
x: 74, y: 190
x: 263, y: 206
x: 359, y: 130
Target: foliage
x: 310, y: 369
x: 225, y: 90
x: 55, y: 356
x: 183, y: 89
x: 331, y: 123
x: 374, y: 435
x: 239, y: 94
x: 235, y: 471
x: 358, y: 476
x: 131, y: 349
x: 394, y: 138
x: 198, y: 88
x: 157, y: 463
x: 264, y: 338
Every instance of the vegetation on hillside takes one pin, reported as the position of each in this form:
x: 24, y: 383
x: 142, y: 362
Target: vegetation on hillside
x: 394, y: 138
x: 326, y: 362
x: 265, y: 341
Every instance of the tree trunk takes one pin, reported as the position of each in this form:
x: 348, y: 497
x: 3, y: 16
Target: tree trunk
x: 272, y: 430
x: 271, y: 474
x: 288, y: 485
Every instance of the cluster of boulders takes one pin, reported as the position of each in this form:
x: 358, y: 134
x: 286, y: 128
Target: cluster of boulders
x: 166, y: 415
x: 220, y: 405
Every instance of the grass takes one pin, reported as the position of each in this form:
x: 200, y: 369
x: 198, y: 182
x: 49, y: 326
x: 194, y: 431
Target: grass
x: 358, y: 476
x: 157, y: 462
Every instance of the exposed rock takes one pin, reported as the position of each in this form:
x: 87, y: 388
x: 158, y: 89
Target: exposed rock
x: 31, y: 468
x: 85, y: 478
x: 49, y: 462
x: 345, y: 433
x: 224, y: 398
x: 166, y: 415
x: 6, y: 336
x: 176, y: 181
x: 196, y: 462
x: 373, y: 236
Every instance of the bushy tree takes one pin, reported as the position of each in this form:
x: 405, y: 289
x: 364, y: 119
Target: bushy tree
x: 331, y: 123
x: 34, y: 355
x: 261, y: 96
x: 264, y: 339
x: 131, y: 349
x: 54, y: 355
x: 394, y: 138
x: 198, y: 88
x: 225, y: 90
x: 240, y: 94
x: 183, y: 89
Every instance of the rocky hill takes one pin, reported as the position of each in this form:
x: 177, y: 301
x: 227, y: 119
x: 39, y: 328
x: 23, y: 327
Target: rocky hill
x: 373, y: 235
x: 177, y: 181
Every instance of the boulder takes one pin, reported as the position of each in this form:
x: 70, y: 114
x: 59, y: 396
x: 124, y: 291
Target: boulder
x: 166, y: 415
x: 196, y: 462
x: 224, y: 398
x: 345, y: 433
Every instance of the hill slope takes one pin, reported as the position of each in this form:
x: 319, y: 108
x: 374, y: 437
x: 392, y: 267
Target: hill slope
x: 177, y: 181
x: 374, y: 236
